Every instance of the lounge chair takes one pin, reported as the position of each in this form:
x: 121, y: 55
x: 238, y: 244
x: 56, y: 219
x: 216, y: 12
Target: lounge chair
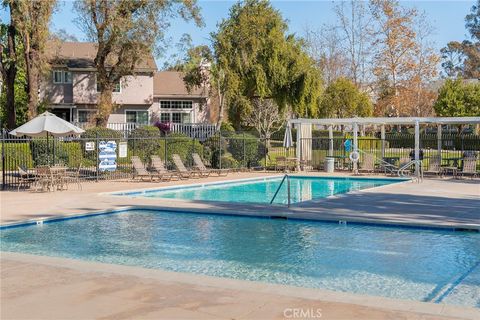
x: 368, y: 164
x: 159, y: 168
x: 25, y: 178
x: 139, y: 169
x: 434, y: 166
x: 200, y: 166
x: 469, y: 167
x: 182, y: 170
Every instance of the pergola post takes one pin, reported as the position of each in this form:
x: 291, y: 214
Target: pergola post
x: 330, y: 140
x: 382, y: 136
x: 417, y: 149
x: 439, y: 141
x: 355, y: 146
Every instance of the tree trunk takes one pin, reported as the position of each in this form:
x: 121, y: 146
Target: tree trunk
x: 105, y: 106
x: 32, y: 72
x: 221, y: 111
x: 9, y: 73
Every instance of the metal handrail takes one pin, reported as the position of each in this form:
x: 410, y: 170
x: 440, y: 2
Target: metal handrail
x: 401, y: 171
x: 280, y: 186
x: 386, y: 165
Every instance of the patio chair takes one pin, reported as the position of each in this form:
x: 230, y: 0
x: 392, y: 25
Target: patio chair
x: 75, y: 177
x: 434, y: 166
x: 199, y: 165
x: 281, y: 163
x: 469, y: 167
x: 44, y: 179
x: 25, y: 179
x: 159, y: 168
x: 139, y: 169
x: 367, y: 165
x: 183, y: 172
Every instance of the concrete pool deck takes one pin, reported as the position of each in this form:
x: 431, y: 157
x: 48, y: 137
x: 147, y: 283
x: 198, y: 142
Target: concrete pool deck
x: 54, y: 288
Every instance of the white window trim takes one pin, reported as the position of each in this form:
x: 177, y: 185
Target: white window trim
x: 172, y: 109
x: 61, y: 76
x: 136, y: 110
x: 64, y: 77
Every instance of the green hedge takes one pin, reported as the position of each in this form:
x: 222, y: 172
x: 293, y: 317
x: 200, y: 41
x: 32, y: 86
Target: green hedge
x: 65, y: 153
x: 145, y: 142
x: 16, y: 154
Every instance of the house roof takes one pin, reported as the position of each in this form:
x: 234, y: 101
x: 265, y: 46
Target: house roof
x: 80, y: 55
x: 171, y: 84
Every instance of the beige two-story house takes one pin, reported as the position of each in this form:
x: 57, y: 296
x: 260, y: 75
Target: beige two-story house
x: 70, y: 91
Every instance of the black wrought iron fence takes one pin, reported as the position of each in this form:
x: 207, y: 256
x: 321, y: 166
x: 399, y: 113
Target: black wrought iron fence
x: 109, y: 157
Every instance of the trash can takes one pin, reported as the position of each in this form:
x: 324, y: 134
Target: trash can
x: 329, y: 164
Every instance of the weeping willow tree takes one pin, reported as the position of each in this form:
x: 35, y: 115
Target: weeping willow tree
x: 260, y: 60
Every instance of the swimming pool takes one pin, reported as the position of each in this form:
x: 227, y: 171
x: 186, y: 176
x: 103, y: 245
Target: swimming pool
x: 418, y: 264
x: 263, y: 190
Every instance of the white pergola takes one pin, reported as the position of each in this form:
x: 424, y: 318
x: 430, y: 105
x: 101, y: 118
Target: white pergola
x: 305, y: 128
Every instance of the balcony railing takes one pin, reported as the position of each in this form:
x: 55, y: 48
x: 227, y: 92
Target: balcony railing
x: 200, y: 131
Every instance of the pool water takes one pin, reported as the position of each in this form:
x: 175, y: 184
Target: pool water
x: 263, y: 190
x: 418, y: 264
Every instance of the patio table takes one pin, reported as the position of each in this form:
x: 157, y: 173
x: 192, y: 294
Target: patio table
x: 453, y: 160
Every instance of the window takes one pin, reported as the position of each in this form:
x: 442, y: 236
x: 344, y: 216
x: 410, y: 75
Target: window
x: 57, y: 76
x: 67, y: 77
x: 140, y: 116
x: 175, y: 104
x: 60, y: 77
x: 85, y: 115
x: 175, y: 117
x: 165, y: 117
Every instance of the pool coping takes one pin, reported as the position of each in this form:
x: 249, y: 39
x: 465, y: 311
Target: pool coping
x: 426, y: 308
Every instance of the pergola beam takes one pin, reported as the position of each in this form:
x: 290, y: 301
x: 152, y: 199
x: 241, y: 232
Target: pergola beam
x: 389, y: 121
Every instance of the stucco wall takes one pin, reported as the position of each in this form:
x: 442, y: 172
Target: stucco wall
x: 135, y: 90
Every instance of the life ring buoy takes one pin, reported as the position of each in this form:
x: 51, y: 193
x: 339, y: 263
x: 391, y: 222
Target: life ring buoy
x: 354, y: 156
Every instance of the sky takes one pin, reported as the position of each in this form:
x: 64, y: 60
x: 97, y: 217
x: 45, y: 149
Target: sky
x: 447, y: 17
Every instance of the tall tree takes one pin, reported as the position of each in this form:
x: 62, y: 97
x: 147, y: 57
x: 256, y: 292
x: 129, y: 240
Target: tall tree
x: 395, y: 45
x: 355, y: 25
x: 126, y: 32
x: 462, y: 59
x: 260, y: 60
x: 32, y: 19
x: 458, y: 99
x: 203, y: 71
x: 342, y: 99
x: 324, y: 45
x: 8, y: 66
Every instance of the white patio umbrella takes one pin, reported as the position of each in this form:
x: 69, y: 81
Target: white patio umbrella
x: 287, y: 139
x: 47, y: 124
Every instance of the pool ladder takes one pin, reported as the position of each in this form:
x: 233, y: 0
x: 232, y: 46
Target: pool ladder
x: 286, y: 177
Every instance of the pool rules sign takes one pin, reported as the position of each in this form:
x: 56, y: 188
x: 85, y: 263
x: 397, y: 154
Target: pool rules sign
x: 122, y: 150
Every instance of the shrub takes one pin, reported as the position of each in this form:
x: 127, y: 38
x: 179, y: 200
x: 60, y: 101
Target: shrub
x: 58, y: 152
x: 145, y: 142
x: 245, y: 149
x: 16, y: 154
x: 102, y: 132
x: 178, y: 143
x: 228, y: 162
